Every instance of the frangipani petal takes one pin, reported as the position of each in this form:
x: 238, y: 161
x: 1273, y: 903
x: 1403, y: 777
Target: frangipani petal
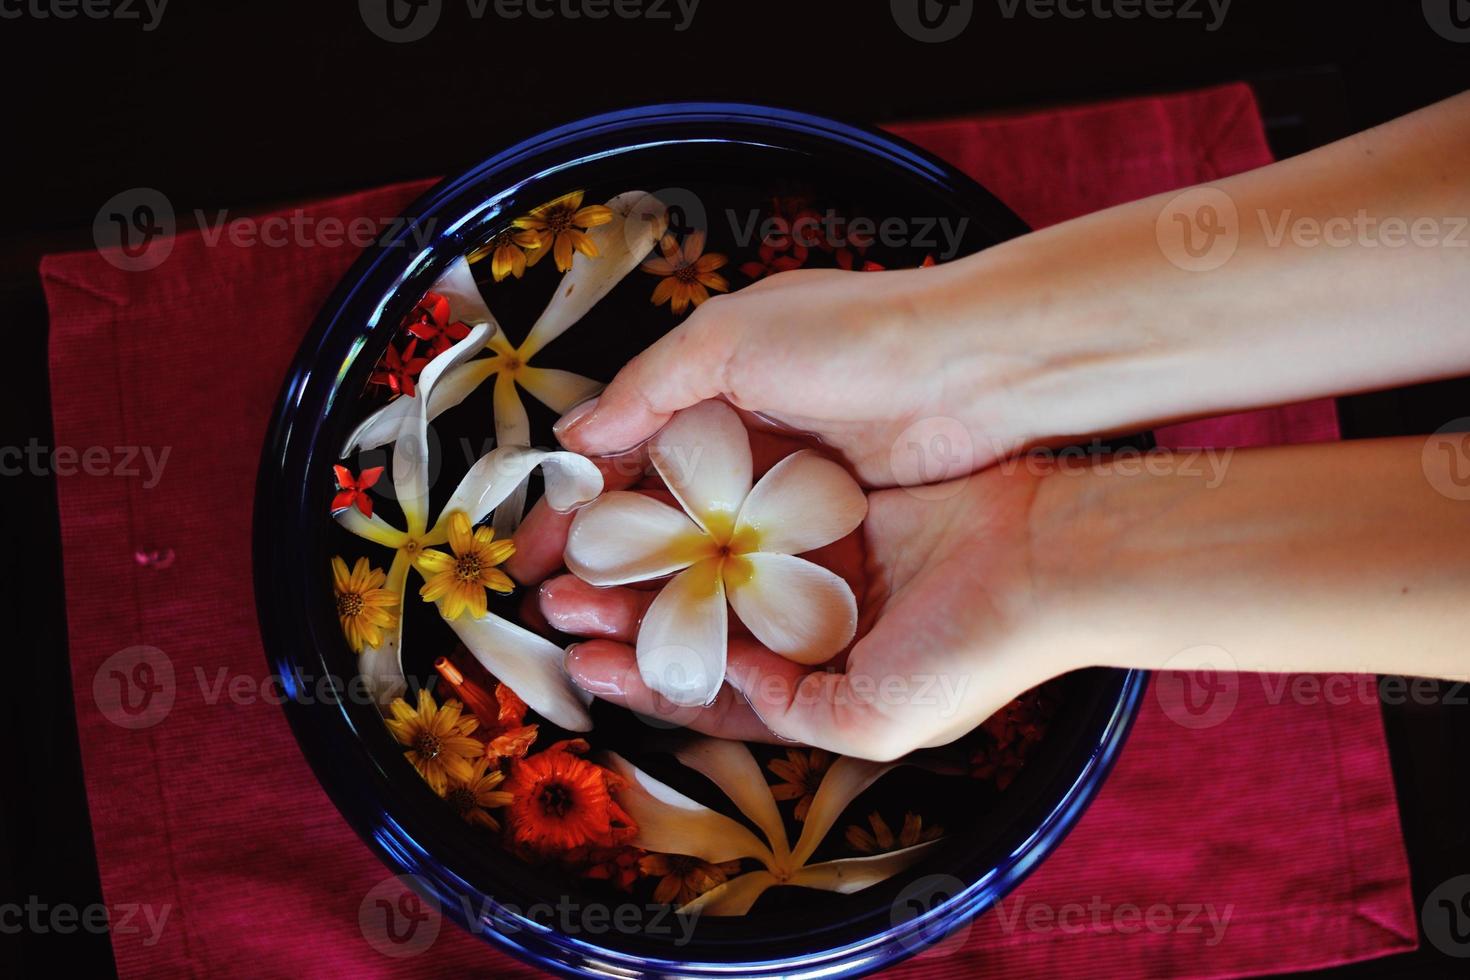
x: 512, y: 428
x: 799, y: 609
x: 530, y: 665
x: 638, y: 220
x: 845, y: 779
x: 571, y: 480
x: 411, y: 449
x: 382, y: 666
x: 803, y: 502
x: 457, y: 285
x: 671, y: 823
x: 703, y: 454
x: 559, y: 391
x: 624, y: 537
x: 731, y: 767
x: 734, y: 897
x: 373, y: 529
x: 681, y: 644
x: 848, y: 875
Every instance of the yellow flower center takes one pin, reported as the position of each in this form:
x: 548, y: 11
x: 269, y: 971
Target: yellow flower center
x: 467, y: 568
x: 349, y: 604
x: 555, y: 799
x: 461, y: 799
x: 428, y: 746
x: 558, y: 219
x: 686, y: 273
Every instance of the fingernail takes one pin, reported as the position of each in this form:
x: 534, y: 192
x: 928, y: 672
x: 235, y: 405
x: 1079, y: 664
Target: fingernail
x: 574, y: 418
x: 587, y: 679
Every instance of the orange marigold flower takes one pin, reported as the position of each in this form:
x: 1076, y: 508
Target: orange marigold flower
x: 688, y: 274
x: 801, y: 773
x: 561, y: 227
x: 564, y: 802
x: 684, y: 878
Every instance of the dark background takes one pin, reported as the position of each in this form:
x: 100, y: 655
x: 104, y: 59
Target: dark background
x: 249, y: 106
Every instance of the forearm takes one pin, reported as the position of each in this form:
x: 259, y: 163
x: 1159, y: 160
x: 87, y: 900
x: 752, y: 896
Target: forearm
x: 1098, y: 330
x: 1314, y: 558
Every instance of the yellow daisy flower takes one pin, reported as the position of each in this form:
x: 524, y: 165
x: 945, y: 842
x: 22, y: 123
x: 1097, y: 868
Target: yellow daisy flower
x: 475, y: 795
x: 438, y: 739
x: 688, y: 273
x: 363, y: 606
x: 507, y: 252
x: 801, y: 773
x: 462, y: 578
x: 561, y: 228
x: 682, y: 879
x: 882, y: 838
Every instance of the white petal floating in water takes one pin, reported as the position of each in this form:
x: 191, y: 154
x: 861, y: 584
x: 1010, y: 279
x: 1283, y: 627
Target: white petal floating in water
x: 571, y: 480
x: 638, y: 220
x: 373, y: 529
x: 731, y: 767
x: 681, y: 644
x: 671, y: 823
x: 382, y: 666
x: 797, y: 608
x: 530, y: 665
x: 512, y: 428
x: 626, y: 537
x: 703, y: 454
x: 848, y: 875
x: 803, y: 502
x: 560, y: 391
x: 466, y: 304
x: 845, y: 779
x: 734, y: 897
x: 381, y: 427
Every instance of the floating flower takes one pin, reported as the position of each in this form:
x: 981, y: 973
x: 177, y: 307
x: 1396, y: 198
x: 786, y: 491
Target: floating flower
x: 618, y: 866
x: 438, y: 739
x: 688, y: 273
x: 507, y: 252
x: 638, y: 221
x: 1009, y: 736
x: 732, y: 542
x: 431, y: 321
x: 793, y: 229
x: 672, y: 823
x: 770, y: 263
x: 352, y: 490
x: 684, y: 878
x: 397, y: 371
x: 848, y: 259
x: 474, y: 795
x: 561, y: 228
x: 532, y: 664
x: 502, y: 717
x: 364, y: 607
x: 459, y: 581
x: 562, y: 801
x: 801, y: 773
x: 881, y: 838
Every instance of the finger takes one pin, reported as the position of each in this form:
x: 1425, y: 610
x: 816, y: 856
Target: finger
x: 542, y: 537
x: 686, y: 366
x: 818, y: 708
x: 573, y: 606
x: 610, y: 671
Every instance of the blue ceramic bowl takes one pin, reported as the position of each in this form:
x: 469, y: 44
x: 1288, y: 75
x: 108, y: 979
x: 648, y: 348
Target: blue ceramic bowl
x: 362, y: 769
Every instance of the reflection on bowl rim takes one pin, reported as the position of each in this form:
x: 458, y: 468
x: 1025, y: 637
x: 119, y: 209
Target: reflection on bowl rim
x: 405, y: 829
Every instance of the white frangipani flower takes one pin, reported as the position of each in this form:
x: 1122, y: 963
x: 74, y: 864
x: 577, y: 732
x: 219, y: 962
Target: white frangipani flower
x: 638, y: 220
x: 532, y: 665
x: 671, y: 823
x: 731, y: 542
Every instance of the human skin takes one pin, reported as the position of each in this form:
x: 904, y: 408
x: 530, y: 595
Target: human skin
x: 1337, y: 558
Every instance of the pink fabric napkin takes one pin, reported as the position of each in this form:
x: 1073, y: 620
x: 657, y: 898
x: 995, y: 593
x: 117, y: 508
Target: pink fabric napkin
x: 1269, y: 840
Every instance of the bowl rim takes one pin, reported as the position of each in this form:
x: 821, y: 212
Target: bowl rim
x: 403, y: 263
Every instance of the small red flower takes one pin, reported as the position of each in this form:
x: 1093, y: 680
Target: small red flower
x: 794, y: 230
x: 848, y: 260
x: 352, y: 491
x: 430, y: 321
x: 397, y: 371
x: 928, y: 262
x: 770, y: 263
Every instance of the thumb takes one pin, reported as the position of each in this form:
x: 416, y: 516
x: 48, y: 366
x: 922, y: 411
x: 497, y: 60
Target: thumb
x: 683, y: 368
